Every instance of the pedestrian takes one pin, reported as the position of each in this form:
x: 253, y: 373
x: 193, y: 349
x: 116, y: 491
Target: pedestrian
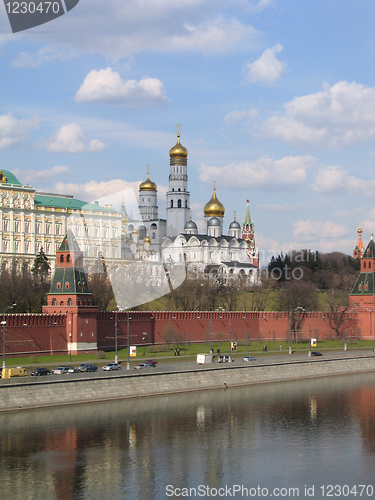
x: 281, y: 347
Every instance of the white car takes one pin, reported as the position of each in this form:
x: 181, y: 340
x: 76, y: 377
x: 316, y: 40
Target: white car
x: 249, y: 358
x: 111, y: 366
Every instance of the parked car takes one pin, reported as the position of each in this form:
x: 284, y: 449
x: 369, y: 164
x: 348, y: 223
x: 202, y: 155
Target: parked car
x: 316, y: 353
x: 249, y: 358
x: 38, y: 372
x: 146, y: 364
x: 223, y: 359
x: 63, y: 370
x: 87, y: 367
x: 112, y: 366
x: 151, y: 362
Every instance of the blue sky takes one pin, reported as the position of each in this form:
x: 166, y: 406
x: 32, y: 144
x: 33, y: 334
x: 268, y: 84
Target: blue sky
x: 276, y: 100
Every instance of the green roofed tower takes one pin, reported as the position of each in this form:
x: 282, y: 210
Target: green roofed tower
x: 69, y: 285
x: 363, y: 292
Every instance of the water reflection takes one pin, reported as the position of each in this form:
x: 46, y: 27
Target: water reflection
x: 291, y: 434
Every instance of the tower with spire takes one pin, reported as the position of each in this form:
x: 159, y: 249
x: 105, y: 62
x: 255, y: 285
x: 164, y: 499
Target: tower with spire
x: 359, y: 248
x: 178, y: 196
x: 248, y: 236
x: 70, y: 294
x: 363, y: 292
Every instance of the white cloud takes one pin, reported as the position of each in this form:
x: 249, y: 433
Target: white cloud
x: 266, y: 69
x: 44, y: 55
x: 337, y: 180
x: 266, y: 173
x: 118, y: 29
x: 107, y: 86
x: 13, y: 131
x: 338, y: 116
x: 71, y: 139
x: 31, y: 176
x: 246, y: 115
x: 307, y: 230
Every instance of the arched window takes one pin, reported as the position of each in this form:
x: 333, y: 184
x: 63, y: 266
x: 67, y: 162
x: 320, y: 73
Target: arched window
x: 369, y: 264
x: 68, y: 258
x: 179, y: 203
x: 70, y: 302
x: 61, y: 258
x: 171, y: 203
x: 54, y: 302
x: 364, y: 265
x: 186, y: 204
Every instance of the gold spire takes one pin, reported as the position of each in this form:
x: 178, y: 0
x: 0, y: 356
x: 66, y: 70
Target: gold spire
x: 178, y: 151
x: 214, y: 208
x: 148, y: 185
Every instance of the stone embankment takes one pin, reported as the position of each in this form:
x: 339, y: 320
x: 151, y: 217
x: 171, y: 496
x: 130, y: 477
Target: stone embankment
x: 23, y: 395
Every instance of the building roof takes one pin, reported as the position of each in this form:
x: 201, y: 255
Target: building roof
x: 370, y: 250
x: 69, y: 243
x: 66, y: 201
x: 68, y: 281
x: 10, y: 178
x: 364, y: 284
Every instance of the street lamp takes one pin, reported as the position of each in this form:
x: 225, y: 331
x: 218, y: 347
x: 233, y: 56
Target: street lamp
x: 211, y: 332
x: 128, y: 363
x: 116, y: 357
x: 3, y: 323
x: 300, y: 309
x: 230, y: 345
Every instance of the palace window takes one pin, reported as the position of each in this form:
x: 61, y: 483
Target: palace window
x: 48, y: 228
x: 27, y: 227
x: 5, y: 225
x: 58, y: 229
x: 37, y: 227
x: 17, y: 226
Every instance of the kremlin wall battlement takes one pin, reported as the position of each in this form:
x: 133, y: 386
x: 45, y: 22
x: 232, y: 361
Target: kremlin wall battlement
x: 27, y: 334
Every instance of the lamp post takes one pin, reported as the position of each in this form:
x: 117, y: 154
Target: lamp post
x: 3, y: 323
x: 211, y: 332
x: 128, y: 363
x: 230, y: 345
x: 116, y: 357
x: 370, y: 311
x: 309, y: 334
x: 345, y: 345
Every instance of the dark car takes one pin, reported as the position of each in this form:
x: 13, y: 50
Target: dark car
x: 151, y: 362
x: 316, y: 353
x: 87, y: 367
x: 38, y: 372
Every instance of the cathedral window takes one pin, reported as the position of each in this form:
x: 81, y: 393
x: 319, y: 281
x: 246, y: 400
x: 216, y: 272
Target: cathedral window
x: 186, y: 203
x: 171, y: 203
x: 153, y: 236
x: 179, y: 189
x: 179, y: 203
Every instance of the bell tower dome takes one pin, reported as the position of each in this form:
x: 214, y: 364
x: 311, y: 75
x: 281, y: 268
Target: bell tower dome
x: 178, y: 196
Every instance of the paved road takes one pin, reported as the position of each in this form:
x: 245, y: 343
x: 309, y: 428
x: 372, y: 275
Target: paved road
x: 179, y: 364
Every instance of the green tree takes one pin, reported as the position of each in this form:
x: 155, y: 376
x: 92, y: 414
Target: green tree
x: 41, y: 267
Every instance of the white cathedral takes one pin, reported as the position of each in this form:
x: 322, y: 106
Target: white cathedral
x: 176, y: 238
x: 32, y: 220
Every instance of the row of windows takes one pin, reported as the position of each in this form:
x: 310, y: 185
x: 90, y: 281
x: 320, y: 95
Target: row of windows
x: 81, y: 302
x: 179, y: 204
x: 58, y: 229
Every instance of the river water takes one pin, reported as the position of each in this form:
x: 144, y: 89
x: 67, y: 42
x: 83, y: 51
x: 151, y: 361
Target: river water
x: 315, y: 436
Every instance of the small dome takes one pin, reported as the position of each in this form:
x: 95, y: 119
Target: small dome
x: 359, y: 230
x: 234, y: 225
x: 148, y: 185
x: 178, y: 151
x: 135, y: 231
x: 147, y: 239
x: 214, y: 221
x: 190, y: 225
x: 214, y: 208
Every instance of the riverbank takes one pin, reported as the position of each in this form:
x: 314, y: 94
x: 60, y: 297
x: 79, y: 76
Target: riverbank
x: 36, y: 393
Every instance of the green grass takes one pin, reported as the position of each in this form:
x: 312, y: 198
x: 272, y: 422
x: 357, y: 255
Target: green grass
x: 188, y: 352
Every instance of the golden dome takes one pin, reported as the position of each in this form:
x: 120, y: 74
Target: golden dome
x: 147, y: 239
x: 135, y: 231
x: 359, y: 230
x: 148, y: 185
x: 178, y: 151
x: 214, y: 208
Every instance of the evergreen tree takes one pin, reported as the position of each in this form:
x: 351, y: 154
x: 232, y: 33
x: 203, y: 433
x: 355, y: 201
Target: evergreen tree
x: 41, y: 267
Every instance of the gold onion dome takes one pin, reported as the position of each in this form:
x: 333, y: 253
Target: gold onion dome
x: 178, y: 151
x: 135, y: 231
x: 147, y: 239
x: 214, y: 208
x: 148, y: 185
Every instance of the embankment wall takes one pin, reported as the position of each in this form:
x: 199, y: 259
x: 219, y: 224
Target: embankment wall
x: 39, y: 394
